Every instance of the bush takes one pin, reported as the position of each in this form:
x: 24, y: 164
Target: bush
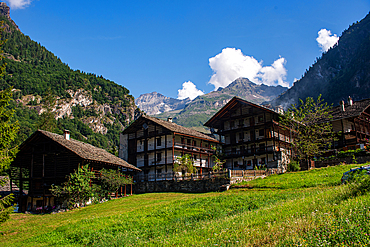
x: 111, y: 181
x: 293, y: 166
x: 76, y: 191
x: 359, y: 183
x: 83, y: 186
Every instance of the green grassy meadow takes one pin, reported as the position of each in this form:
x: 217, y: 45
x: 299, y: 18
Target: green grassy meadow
x: 308, y: 208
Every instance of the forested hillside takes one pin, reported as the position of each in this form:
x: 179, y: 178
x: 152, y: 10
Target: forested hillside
x: 342, y: 71
x: 50, y: 95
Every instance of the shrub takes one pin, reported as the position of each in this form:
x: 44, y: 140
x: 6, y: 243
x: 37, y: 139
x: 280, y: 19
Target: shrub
x: 293, y: 166
x: 111, y: 181
x: 77, y: 190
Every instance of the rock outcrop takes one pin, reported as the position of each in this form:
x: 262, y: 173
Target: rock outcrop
x: 5, y: 11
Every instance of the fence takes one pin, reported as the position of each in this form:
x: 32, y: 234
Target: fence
x: 253, y: 173
x: 177, y: 177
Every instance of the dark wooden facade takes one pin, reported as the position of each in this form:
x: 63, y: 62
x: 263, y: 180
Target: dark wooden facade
x: 46, y: 158
x: 251, y: 135
x: 153, y: 145
x: 351, y: 120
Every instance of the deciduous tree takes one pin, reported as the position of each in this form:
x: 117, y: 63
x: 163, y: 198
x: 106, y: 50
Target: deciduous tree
x: 310, y: 126
x: 184, y: 163
x: 111, y: 181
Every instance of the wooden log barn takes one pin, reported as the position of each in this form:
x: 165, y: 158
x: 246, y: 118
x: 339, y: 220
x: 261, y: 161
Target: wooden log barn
x: 46, y: 158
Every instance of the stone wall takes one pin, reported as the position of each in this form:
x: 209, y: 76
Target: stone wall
x: 348, y: 160
x: 188, y: 186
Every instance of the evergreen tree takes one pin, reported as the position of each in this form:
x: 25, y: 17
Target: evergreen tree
x: 8, y: 131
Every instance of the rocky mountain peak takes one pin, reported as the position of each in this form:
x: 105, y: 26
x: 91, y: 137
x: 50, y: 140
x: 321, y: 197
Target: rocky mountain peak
x: 5, y: 11
x: 156, y: 103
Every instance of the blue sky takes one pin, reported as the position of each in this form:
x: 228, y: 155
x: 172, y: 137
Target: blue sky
x: 197, y: 46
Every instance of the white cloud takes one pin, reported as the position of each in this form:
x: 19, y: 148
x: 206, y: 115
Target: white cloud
x: 274, y: 74
x: 189, y: 90
x: 231, y: 64
x: 326, y: 40
x: 19, y: 4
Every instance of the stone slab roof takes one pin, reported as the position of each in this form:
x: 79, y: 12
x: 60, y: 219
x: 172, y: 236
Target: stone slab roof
x: 87, y: 151
x: 350, y: 111
x: 168, y: 125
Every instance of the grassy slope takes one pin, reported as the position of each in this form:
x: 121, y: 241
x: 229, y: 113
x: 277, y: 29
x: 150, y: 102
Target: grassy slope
x: 305, y: 208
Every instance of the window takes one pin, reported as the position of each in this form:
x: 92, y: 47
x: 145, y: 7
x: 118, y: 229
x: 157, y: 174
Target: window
x: 263, y: 161
x: 241, y: 136
x: 261, y: 132
x: 195, y: 157
x: 159, y: 157
x: 241, y: 122
x: 260, y: 119
x: 159, y: 171
x: 159, y: 141
x: 188, y: 141
x: 232, y: 124
x: 194, y: 143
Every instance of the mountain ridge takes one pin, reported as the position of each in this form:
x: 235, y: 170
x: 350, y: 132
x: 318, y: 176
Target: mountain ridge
x: 342, y: 71
x: 199, y: 110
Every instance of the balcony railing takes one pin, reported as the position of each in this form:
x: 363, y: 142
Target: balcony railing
x: 251, y: 151
x: 193, y: 148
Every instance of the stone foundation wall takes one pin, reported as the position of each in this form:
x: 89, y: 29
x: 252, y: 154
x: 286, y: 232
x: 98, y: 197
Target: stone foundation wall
x: 189, y: 186
x: 348, y: 160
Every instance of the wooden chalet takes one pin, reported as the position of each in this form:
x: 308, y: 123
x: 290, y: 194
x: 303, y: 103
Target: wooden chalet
x: 352, y: 121
x: 153, y: 145
x: 46, y: 158
x: 251, y: 135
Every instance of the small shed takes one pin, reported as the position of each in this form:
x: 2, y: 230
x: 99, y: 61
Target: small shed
x: 46, y: 158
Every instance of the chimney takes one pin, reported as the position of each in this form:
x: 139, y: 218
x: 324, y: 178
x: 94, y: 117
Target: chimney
x: 342, y: 105
x: 280, y: 109
x: 66, y: 134
x: 350, y: 101
x: 169, y: 119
